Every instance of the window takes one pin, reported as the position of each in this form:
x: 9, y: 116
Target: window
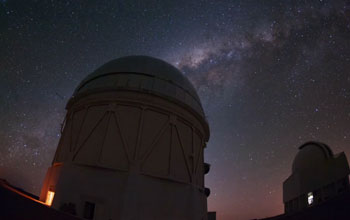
x: 310, y: 198
x: 49, y: 198
x: 89, y: 210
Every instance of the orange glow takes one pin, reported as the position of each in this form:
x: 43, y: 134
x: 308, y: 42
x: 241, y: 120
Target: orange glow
x: 49, y: 197
x: 4, y: 184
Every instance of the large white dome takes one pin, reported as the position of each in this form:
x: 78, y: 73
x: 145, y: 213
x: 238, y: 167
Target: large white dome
x: 145, y: 74
x: 134, y: 136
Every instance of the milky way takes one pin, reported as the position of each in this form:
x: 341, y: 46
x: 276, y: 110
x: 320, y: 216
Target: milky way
x: 271, y: 75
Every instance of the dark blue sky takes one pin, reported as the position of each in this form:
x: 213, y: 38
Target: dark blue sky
x: 271, y: 75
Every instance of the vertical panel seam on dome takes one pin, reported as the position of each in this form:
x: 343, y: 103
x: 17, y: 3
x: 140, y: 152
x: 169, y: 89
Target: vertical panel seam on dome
x: 109, y: 115
x: 81, y: 128
x: 125, y: 144
x: 170, y: 149
x: 59, y: 149
x: 80, y: 147
x: 139, y: 132
x: 154, y: 142
x: 183, y: 153
x: 123, y: 141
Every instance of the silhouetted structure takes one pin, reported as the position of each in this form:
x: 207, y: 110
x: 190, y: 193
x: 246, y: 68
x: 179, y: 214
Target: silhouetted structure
x: 317, y: 176
x: 131, y: 146
x: 336, y: 208
x: 16, y: 204
x: 318, y: 187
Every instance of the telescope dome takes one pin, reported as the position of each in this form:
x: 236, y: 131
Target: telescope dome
x: 144, y: 74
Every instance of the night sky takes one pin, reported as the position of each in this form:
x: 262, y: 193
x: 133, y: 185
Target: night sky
x: 271, y: 75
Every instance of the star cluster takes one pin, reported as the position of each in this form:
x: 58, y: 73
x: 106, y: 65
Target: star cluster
x: 271, y: 75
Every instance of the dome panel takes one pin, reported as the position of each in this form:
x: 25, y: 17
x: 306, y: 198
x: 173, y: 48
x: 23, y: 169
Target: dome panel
x: 142, y: 73
x: 311, y: 154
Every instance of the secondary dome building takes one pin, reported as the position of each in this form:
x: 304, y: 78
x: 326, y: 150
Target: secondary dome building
x: 131, y: 146
x: 317, y: 176
x: 318, y: 188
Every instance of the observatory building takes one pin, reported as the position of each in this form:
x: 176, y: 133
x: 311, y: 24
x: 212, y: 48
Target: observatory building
x: 317, y: 176
x: 318, y: 188
x: 131, y: 146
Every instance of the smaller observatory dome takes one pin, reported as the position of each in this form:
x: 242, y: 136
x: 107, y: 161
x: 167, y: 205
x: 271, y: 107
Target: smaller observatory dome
x: 144, y: 74
x: 317, y: 175
x: 311, y: 154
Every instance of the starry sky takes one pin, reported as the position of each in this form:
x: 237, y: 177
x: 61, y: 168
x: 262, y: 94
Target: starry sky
x: 271, y: 75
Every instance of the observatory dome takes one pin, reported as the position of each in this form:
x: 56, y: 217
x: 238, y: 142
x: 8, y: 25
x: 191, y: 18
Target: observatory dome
x: 144, y: 74
x: 311, y: 154
x: 317, y: 175
x: 134, y: 134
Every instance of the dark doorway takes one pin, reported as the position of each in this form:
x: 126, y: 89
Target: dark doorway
x: 89, y: 209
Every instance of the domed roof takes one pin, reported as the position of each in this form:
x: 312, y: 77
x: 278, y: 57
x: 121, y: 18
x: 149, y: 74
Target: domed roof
x: 311, y: 154
x: 142, y: 73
